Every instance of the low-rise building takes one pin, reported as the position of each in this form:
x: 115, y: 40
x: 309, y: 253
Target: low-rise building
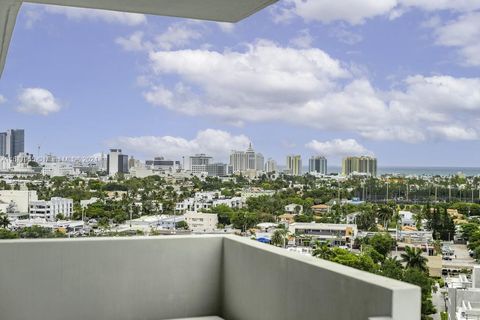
x: 407, y: 218
x: 85, y: 203
x: 335, y: 234
x: 320, y: 209
x: 49, y: 210
x: 201, y: 222
x: 58, y: 169
x: 21, y: 198
x: 294, y: 208
x: 464, y: 296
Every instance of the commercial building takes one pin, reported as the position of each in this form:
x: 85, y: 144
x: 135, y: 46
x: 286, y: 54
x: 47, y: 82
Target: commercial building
x: 21, y: 198
x: 359, y: 165
x: 49, y: 210
x: 198, y: 163
x: 217, y: 169
x: 242, y: 161
x: 162, y: 164
x: 294, y: 165
x: 317, y: 164
x: 117, y: 162
x: 201, y: 222
x: 58, y: 169
x: 336, y: 234
x: 271, y: 166
x: 12, y: 143
x: 5, y: 163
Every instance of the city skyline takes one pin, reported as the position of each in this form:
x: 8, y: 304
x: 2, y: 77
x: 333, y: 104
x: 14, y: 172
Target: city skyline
x: 372, y: 82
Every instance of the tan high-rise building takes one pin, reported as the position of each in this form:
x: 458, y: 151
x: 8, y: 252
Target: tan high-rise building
x: 359, y: 165
x: 294, y: 165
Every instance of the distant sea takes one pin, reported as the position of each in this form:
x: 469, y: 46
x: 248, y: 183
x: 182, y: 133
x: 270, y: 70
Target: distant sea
x: 429, y: 171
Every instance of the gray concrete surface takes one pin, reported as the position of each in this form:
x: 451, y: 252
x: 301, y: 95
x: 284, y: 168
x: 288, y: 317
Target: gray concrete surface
x: 269, y: 283
x: 188, y: 276
x: 110, y: 279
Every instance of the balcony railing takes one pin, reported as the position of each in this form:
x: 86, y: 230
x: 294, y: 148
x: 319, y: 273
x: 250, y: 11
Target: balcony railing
x: 188, y: 276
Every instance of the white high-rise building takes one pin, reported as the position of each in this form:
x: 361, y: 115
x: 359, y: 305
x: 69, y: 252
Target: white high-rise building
x: 198, y: 163
x: 271, y: 166
x: 117, y: 162
x: 317, y: 164
x: 238, y: 161
x: 5, y: 163
x: 259, y: 162
x: 249, y: 160
x: 294, y: 165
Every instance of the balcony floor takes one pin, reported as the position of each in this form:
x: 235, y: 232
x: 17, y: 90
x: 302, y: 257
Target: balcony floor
x: 201, y: 318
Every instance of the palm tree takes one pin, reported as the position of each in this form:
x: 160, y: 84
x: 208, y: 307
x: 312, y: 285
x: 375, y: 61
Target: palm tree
x: 412, y: 257
x: 278, y: 237
x: 4, y: 221
x: 385, y: 214
x: 322, y: 250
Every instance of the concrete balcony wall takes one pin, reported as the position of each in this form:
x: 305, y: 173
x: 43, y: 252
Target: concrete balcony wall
x: 188, y: 276
x: 268, y: 283
x: 110, y: 279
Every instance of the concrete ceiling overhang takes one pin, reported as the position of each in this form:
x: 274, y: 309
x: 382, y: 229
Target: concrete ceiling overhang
x: 214, y: 10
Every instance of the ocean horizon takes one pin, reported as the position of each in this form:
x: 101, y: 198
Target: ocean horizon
x: 419, y: 170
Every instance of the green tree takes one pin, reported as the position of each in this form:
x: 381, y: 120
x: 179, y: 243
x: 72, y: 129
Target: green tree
x: 413, y: 258
x: 279, y: 237
x: 383, y: 243
x: 4, y: 221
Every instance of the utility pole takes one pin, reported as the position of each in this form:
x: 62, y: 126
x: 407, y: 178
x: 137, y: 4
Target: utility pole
x: 387, y: 193
x: 436, y: 192
x: 449, y: 193
x: 131, y: 214
x: 407, y: 191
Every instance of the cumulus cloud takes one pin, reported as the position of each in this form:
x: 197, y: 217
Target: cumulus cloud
x: 34, y: 13
x: 351, y: 11
x: 216, y: 143
x: 2, y: 99
x: 307, y: 87
x: 177, y: 35
x: 338, y: 148
x: 37, y: 101
x: 303, y: 40
x: 462, y: 33
x: 357, y: 12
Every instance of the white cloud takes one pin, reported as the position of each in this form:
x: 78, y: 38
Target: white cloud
x: 454, y: 133
x: 338, y: 148
x: 37, y: 101
x: 462, y: 33
x: 34, y: 13
x: 177, y: 35
x: 345, y: 36
x: 304, y: 40
x: 351, y: 11
x: 307, y: 87
x: 357, y: 12
x: 226, y: 27
x: 216, y: 143
x: 2, y: 99
x: 135, y: 42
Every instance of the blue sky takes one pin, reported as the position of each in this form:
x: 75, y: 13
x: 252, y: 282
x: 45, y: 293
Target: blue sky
x: 396, y: 78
